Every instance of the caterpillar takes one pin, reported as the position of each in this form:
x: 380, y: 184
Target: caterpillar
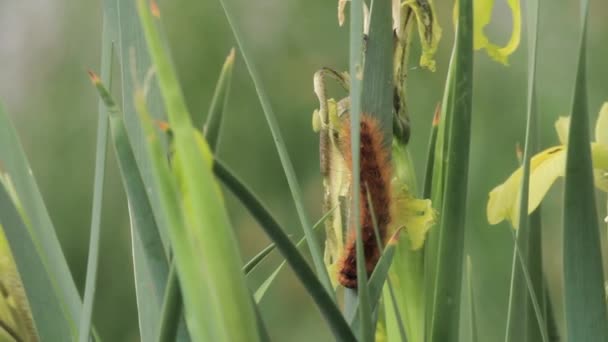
x: 375, y: 177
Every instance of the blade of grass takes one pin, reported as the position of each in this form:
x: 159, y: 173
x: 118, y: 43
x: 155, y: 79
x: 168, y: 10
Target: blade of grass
x: 380, y: 273
x: 379, y: 276
x: 585, y: 305
x: 195, y: 291
x: 150, y: 256
x: 172, y: 308
x: 302, y: 270
x: 41, y: 289
x: 535, y: 267
x: 209, y: 238
x: 356, y: 71
x: 294, y: 187
x: 172, y: 304
x: 107, y: 49
x: 431, y: 246
x: 166, y: 187
x: 261, y: 291
x: 518, y: 321
x: 533, y: 299
x: 446, y: 290
x: 518, y: 301
x: 258, y: 258
x: 61, y: 295
x: 471, y: 294
x: 135, y: 65
x: 264, y: 336
x: 430, y: 156
x: 218, y: 103
x: 377, y: 85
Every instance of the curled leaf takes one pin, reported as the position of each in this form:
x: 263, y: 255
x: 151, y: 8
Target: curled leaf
x: 483, y: 14
x: 428, y: 30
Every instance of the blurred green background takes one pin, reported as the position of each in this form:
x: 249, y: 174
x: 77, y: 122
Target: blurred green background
x: 47, y: 46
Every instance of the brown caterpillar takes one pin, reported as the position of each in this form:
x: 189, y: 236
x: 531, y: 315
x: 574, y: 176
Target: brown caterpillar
x: 375, y: 175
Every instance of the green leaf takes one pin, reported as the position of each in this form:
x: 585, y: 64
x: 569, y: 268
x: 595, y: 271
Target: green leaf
x: 261, y: 291
x: 135, y: 65
x: 50, y: 288
x: 294, y: 187
x: 377, y: 85
x: 472, y: 312
x: 302, y: 270
x: 585, y: 305
x: 171, y: 309
x: 379, y: 276
x: 520, y: 322
x: 218, y: 104
x: 361, y: 300
x: 205, y: 247
x: 263, y: 288
x: 150, y: 256
x: 258, y: 258
x: 430, y: 156
x: 451, y: 177
x: 107, y: 48
x: 535, y: 267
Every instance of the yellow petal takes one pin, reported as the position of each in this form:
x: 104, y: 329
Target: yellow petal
x: 545, y: 168
x: 483, y: 13
x: 601, y: 126
x: 599, y: 154
x: 562, y: 126
x: 415, y: 215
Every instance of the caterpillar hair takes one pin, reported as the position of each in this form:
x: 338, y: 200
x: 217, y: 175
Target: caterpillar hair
x: 375, y: 176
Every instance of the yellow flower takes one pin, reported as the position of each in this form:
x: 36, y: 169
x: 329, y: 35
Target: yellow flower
x: 482, y: 14
x: 545, y: 168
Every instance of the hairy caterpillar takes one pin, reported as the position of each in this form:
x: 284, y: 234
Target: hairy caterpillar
x: 375, y: 177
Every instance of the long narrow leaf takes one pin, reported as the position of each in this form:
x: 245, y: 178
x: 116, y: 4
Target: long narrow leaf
x: 218, y: 103
x: 40, y: 287
x: 60, y: 305
x: 135, y: 65
x: 152, y: 257
x: 171, y: 309
x: 100, y: 164
x: 585, y: 305
x: 518, y: 321
x: 446, y: 290
x: 262, y: 289
x: 474, y: 330
x: 355, y: 67
x: 294, y: 187
x: 258, y: 258
x: 208, y: 236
